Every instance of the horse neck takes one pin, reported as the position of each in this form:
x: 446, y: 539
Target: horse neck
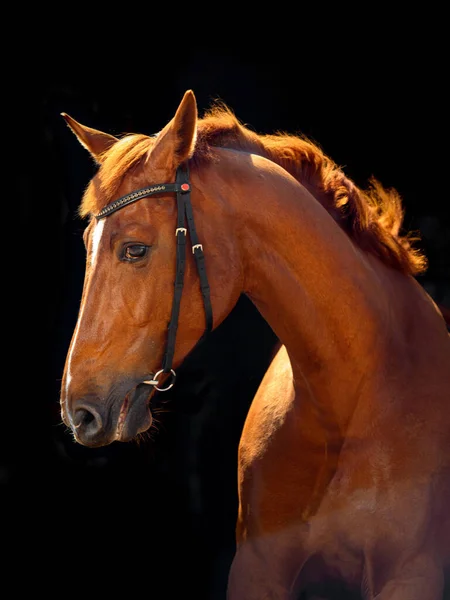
x: 318, y: 291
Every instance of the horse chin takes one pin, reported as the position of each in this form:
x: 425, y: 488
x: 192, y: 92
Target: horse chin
x: 135, y: 416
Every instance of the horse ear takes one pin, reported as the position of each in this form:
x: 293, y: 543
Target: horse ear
x: 95, y: 142
x: 176, y: 142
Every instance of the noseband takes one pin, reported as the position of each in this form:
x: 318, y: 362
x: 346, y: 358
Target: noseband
x: 182, y: 188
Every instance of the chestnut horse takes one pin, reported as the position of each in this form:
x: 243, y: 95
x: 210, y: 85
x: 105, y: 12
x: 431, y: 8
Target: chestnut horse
x: 344, y: 461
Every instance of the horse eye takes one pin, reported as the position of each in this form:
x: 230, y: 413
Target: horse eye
x: 134, y: 251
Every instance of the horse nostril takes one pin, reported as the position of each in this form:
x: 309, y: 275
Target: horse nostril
x: 87, y: 422
x: 86, y: 417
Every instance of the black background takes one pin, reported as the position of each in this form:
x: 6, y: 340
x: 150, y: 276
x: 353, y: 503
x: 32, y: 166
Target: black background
x: 158, y: 517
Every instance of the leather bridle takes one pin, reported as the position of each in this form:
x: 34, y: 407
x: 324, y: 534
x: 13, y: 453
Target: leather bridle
x: 182, y: 188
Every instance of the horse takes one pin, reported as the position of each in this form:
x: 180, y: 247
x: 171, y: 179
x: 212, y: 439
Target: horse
x: 344, y: 459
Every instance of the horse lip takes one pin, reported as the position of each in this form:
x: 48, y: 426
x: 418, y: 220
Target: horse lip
x: 122, y: 416
x: 135, y: 404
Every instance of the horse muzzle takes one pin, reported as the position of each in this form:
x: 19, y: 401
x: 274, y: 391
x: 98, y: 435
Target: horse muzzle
x: 96, y: 422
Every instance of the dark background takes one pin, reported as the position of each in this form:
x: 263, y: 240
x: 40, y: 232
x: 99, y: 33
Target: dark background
x: 158, y: 517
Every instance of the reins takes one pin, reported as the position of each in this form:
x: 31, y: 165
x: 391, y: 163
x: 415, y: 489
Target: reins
x: 182, y: 188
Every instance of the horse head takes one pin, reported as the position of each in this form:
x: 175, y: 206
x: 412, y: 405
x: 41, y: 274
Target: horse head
x: 128, y: 295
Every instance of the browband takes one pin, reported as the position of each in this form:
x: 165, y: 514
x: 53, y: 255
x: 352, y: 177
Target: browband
x: 138, y: 194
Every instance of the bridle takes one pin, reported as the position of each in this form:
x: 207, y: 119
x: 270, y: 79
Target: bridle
x: 182, y: 188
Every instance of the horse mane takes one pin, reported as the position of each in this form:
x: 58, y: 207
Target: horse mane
x: 373, y: 217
